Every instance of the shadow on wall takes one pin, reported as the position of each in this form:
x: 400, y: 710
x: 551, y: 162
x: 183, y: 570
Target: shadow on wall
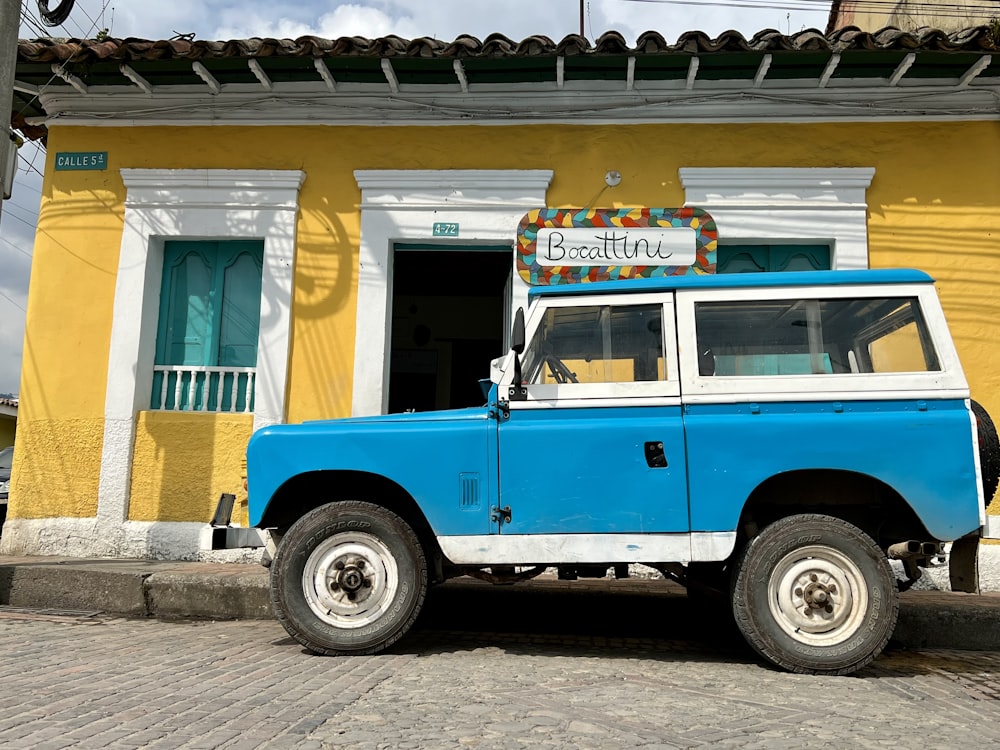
x: 322, y: 338
x: 183, y: 462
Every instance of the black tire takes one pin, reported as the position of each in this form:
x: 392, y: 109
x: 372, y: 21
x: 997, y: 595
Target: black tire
x: 789, y: 569
x: 989, y: 451
x: 348, y: 578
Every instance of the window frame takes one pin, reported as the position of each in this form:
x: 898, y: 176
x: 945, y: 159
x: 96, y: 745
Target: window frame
x: 948, y: 382
x: 647, y: 392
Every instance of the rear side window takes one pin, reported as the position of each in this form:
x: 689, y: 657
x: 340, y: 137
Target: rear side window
x: 813, y: 337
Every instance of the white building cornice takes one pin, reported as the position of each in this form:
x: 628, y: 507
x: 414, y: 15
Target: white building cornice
x: 577, y: 102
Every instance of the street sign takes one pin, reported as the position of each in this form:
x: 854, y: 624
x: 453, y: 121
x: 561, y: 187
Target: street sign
x: 81, y: 160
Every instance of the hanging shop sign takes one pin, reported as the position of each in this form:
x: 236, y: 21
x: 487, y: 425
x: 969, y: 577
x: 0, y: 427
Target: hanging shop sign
x: 573, y: 246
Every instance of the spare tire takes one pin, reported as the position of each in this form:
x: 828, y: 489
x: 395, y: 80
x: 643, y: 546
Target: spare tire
x: 989, y: 451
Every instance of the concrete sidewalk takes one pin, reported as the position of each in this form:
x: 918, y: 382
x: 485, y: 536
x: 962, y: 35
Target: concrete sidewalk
x: 229, y: 591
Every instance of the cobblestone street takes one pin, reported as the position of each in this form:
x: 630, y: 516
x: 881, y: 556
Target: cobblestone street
x: 485, y: 668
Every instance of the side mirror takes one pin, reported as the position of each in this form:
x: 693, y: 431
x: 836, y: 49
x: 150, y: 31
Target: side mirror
x: 517, y: 332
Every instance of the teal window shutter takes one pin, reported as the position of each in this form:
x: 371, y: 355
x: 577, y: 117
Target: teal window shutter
x: 187, y: 323
x: 209, y: 317
x: 240, y: 315
x: 758, y: 258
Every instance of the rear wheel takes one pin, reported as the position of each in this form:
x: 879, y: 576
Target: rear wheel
x: 989, y: 451
x: 348, y: 578
x: 814, y: 594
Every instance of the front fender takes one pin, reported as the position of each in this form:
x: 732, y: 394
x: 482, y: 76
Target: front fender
x: 441, y: 459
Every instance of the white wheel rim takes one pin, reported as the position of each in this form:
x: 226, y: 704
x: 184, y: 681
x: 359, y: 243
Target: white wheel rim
x: 350, y: 580
x: 818, y: 596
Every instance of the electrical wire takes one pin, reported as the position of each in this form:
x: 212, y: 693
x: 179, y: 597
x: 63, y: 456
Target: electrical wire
x: 16, y: 247
x: 12, y: 301
x: 32, y: 23
x: 57, y: 15
x: 62, y: 66
x: 93, y: 23
x: 32, y: 213
x: 30, y: 165
x: 15, y: 217
x: 8, y: 210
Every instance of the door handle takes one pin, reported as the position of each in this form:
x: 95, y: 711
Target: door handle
x: 655, y: 459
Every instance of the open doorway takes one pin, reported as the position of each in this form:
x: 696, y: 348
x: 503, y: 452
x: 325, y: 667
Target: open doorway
x: 448, y: 314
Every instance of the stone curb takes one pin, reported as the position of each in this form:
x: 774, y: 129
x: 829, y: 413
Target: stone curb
x: 137, y: 588
x: 172, y: 590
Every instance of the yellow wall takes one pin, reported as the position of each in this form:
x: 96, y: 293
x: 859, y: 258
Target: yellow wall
x: 56, y: 468
x: 924, y: 212
x: 183, y: 462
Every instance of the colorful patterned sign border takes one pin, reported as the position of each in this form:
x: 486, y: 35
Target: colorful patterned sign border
x: 706, y: 242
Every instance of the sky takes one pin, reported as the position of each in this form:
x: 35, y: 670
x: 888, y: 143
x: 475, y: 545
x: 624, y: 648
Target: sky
x: 443, y: 19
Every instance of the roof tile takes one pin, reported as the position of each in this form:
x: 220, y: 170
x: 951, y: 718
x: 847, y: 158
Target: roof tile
x: 975, y: 39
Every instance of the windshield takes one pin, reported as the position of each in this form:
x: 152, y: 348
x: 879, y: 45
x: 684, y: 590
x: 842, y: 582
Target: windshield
x: 6, y: 456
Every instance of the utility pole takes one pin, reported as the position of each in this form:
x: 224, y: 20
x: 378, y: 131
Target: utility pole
x: 581, y: 17
x: 10, y: 21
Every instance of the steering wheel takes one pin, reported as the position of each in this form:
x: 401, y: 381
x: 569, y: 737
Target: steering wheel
x: 560, y: 372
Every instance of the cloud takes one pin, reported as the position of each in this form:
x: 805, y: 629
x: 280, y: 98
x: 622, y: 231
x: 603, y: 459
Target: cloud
x: 448, y: 19
x: 345, y: 20
x: 443, y: 19
x: 674, y: 17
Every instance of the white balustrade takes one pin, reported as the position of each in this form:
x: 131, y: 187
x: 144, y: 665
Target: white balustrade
x: 203, y: 388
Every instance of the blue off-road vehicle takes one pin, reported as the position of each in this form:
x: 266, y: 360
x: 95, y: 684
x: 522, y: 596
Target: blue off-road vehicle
x: 777, y: 437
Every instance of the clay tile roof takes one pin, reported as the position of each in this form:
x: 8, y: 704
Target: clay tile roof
x: 49, y: 50
x: 497, y: 58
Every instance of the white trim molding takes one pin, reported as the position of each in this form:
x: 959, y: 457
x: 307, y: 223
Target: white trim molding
x: 403, y: 206
x: 557, y: 549
x: 788, y: 205
x: 163, y: 204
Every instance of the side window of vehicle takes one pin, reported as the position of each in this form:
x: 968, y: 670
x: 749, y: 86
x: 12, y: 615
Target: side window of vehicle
x: 597, y: 344
x: 813, y: 337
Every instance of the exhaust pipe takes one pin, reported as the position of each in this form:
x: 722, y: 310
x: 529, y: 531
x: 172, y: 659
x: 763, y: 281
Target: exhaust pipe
x: 905, y: 550
x: 912, y: 548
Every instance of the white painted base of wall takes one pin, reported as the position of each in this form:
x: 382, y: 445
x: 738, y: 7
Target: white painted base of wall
x: 88, y: 537
x: 937, y: 578
x: 989, y: 567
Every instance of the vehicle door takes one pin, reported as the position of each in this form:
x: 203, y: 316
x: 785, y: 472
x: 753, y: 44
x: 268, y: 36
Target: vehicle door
x: 596, y: 444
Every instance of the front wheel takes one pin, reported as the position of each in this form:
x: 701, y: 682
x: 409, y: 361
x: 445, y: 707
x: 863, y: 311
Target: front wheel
x: 814, y: 594
x: 348, y: 578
